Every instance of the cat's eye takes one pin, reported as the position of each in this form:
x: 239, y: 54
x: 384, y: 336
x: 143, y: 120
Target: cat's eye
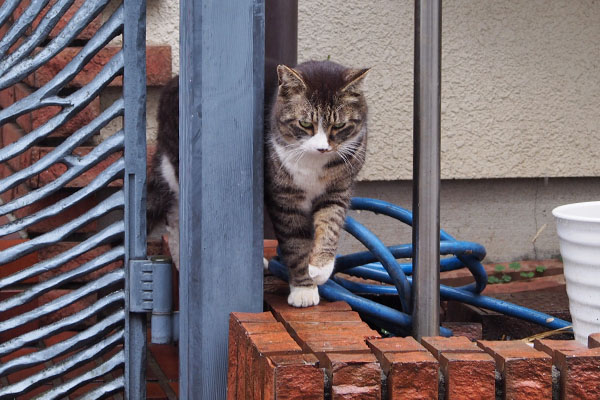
x: 306, y: 124
x: 339, y: 125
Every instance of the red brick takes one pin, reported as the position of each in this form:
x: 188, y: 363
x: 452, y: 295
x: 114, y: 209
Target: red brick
x: 13, y: 312
x: 87, y: 32
x: 471, y: 330
x: 7, y: 97
x: 252, y: 336
x: 158, y: 66
x: 346, y: 345
x: 166, y: 356
x: 270, y: 248
x: 579, y: 373
x: 253, y: 317
x: 68, y: 310
x: 54, y: 250
x: 394, y: 345
x: 411, y: 375
x: 84, y: 389
x: 439, y: 344
x: 66, y: 215
x: 42, y: 115
x: 551, y: 347
x: 52, y: 340
x: 155, y: 392
x: 353, y: 376
x: 10, y: 134
x: 19, y: 264
x: 260, y: 346
x: 56, y: 170
x: 527, y: 373
x: 24, y: 121
x: 468, y: 375
x: 24, y: 373
x: 319, y: 316
x: 594, y: 340
x: 295, y: 376
x: 34, y: 393
x: 280, y: 306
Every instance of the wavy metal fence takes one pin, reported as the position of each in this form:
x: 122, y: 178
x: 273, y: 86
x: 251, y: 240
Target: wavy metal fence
x: 65, y: 325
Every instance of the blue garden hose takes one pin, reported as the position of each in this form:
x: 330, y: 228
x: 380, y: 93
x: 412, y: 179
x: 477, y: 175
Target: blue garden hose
x: 380, y: 264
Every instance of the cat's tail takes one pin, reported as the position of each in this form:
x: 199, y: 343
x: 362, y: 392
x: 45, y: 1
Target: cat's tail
x: 159, y: 198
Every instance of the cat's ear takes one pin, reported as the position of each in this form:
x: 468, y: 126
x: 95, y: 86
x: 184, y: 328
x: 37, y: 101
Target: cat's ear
x: 354, y: 78
x: 289, y: 78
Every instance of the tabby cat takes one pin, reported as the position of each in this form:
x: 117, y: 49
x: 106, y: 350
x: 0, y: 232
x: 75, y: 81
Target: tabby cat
x: 163, y: 180
x: 315, y: 146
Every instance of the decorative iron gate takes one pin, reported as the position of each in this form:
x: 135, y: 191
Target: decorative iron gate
x: 72, y: 210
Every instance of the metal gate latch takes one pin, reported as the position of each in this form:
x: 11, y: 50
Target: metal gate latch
x: 151, y: 291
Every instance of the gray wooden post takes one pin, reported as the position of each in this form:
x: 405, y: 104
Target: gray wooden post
x: 426, y: 169
x: 221, y: 198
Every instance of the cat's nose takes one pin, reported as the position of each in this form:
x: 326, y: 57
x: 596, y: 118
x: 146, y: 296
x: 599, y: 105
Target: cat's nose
x: 324, y: 150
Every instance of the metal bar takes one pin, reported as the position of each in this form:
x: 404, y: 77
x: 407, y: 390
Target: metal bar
x: 134, y: 93
x: 101, y: 152
x: 88, y: 336
x: 67, y: 365
x: 106, y: 302
x: 105, y: 281
x: 111, y: 203
x: 281, y: 47
x: 105, y: 34
x: 59, y: 392
x: 107, y: 235
x: 426, y: 168
x: 222, y: 53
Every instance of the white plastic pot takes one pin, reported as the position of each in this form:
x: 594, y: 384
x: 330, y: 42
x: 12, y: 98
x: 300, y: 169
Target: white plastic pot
x: 578, y: 227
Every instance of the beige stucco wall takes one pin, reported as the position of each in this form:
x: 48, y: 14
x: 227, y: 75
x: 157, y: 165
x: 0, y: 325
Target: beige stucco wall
x: 520, y: 81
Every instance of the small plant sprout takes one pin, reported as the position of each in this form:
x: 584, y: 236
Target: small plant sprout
x: 499, y: 268
x: 493, y: 279
x: 506, y: 278
x: 527, y: 274
x: 540, y: 269
x: 515, y: 266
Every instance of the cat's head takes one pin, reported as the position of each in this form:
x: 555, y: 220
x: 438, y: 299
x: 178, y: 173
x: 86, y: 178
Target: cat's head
x: 319, y: 106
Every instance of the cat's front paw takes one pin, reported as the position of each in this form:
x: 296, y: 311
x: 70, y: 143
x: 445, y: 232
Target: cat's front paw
x: 303, y: 296
x: 320, y: 275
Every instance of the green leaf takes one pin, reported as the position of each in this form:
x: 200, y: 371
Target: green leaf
x: 493, y: 279
x: 499, y: 267
x: 540, y: 269
x: 527, y: 274
x: 506, y: 278
x: 514, y: 266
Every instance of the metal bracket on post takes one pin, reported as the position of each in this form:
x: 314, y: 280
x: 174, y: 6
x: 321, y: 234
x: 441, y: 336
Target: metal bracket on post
x: 151, y: 291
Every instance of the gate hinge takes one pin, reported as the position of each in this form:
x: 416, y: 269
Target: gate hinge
x: 151, y: 290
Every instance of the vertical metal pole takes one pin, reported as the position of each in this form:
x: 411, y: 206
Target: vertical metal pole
x: 281, y: 40
x: 134, y: 94
x: 281, y: 47
x: 426, y: 168
x: 221, y: 197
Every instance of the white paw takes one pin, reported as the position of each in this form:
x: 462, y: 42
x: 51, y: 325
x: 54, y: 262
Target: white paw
x: 265, y: 263
x: 320, y: 275
x: 302, y: 296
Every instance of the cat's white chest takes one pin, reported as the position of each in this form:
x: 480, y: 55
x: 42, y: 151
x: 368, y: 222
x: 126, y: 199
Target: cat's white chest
x: 306, y: 173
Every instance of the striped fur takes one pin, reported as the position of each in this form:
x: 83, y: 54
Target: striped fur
x: 315, y: 147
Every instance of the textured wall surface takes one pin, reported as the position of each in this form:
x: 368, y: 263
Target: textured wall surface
x: 504, y: 215
x: 520, y: 82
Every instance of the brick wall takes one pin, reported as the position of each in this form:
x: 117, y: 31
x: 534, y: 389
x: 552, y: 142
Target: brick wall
x: 328, y: 352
